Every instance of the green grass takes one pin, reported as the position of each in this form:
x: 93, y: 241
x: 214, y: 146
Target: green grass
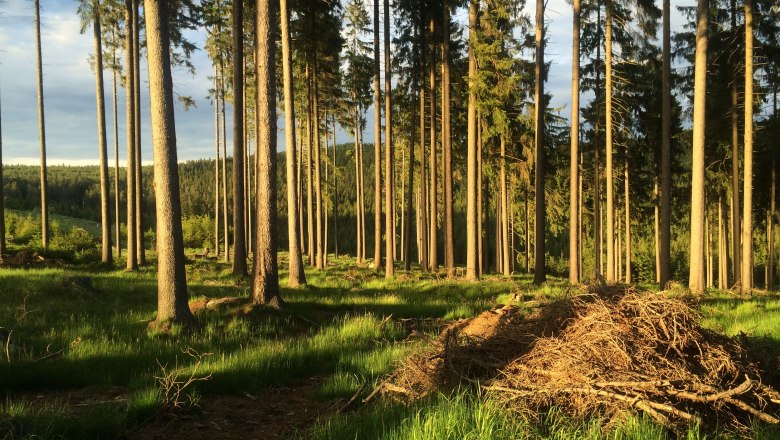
x: 342, y: 328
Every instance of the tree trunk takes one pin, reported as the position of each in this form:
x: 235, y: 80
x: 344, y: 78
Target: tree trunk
x: 597, y: 232
x: 132, y: 244
x: 424, y: 258
x: 139, y: 226
x: 747, y: 182
x: 265, y: 280
x: 389, y: 160
x: 770, y: 285
x: 664, y: 259
x: 320, y: 251
x: 723, y: 279
x: 105, y: 207
x: 708, y: 247
x: 504, y: 213
x: 358, y: 240
x: 309, y: 170
x: 362, y: 198
x: 627, y: 223
x: 239, y: 233
x: 41, y: 131
x: 377, y: 148
x: 696, y: 281
x: 335, y: 196
x: 656, y: 227
x: 446, y: 142
x: 433, y: 214
x: 325, y: 207
x: 116, y: 159
x: 225, y: 228
x: 540, y: 274
x: 612, y: 261
x: 574, y: 276
x: 472, y: 272
x: 527, y: 232
x: 410, y: 195
x: 736, y: 223
x: 172, y: 303
x: 216, y: 161
x: 480, y: 216
x: 297, y: 275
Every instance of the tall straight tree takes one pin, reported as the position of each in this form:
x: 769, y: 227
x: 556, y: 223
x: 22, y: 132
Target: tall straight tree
x: 389, y: 160
x: 377, y: 147
x: 172, y: 297
x: 433, y: 262
x: 540, y: 273
x: 664, y: 241
x: 696, y: 279
x: 216, y: 161
x: 297, y: 276
x: 574, y: 246
x: 612, y: 262
x: 449, y: 253
x: 139, y: 225
x: 132, y: 256
x: 265, y: 278
x: 747, y: 192
x: 41, y: 130
x: 114, y: 68
x: 239, y: 233
x: 472, y: 183
x: 736, y: 235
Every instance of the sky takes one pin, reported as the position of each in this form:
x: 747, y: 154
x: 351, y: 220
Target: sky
x: 69, y: 87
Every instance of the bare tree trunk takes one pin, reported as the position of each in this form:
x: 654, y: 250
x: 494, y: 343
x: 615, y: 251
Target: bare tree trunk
x: 656, y: 227
x: 216, y: 161
x: 770, y: 285
x: 505, y: 269
x: 172, y: 303
x: 362, y: 200
x: 723, y: 279
x: 403, y: 179
x: 225, y: 228
x: 389, y: 160
x: 747, y: 182
x: 628, y: 223
x: 239, y: 233
x: 299, y: 172
x: 335, y: 195
x: 579, y: 222
x: 377, y: 148
x: 105, y: 207
x: 611, y: 260
x: 540, y: 274
x: 597, y: 228
x: 139, y: 225
x: 409, y: 196
x: 309, y: 170
x: 574, y: 275
x: 425, y: 260
x: 434, y: 215
x: 696, y: 281
x: 325, y: 207
x: 132, y: 243
x: 265, y: 280
x: 358, y: 230
x: 664, y: 259
x: 472, y: 271
x: 117, y: 228
x: 480, y: 199
x: 320, y: 252
x: 708, y: 247
x: 41, y: 131
x: 297, y: 275
x: 527, y: 232
x: 736, y: 223
x: 449, y: 252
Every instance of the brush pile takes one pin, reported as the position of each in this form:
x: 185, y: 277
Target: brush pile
x: 605, y: 355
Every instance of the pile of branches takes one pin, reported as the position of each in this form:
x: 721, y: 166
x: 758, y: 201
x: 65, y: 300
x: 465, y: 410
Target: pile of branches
x: 596, y: 354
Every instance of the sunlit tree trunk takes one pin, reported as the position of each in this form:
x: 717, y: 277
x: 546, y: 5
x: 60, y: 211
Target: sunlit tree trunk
x: 612, y: 261
x: 297, y: 276
x: 597, y: 224
x: 320, y: 238
x: 410, y: 192
x: 449, y: 252
x: 696, y: 280
x: 225, y: 227
x: 309, y: 170
x: 574, y: 275
x: 540, y: 274
x: 335, y: 195
x: 325, y: 207
x: 216, y: 161
x: 664, y: 259
x: 105, y: 203
x: 172, y: 303
x: 480, y: 198
x: 504, y: 214
x: 358, y: 229
x: 472, y: 272
x: 377, y: 148
x: 117, y: 232
x: 736, y: 224
x: 627, y: 222
x: 265, y: 278
x: 747, y: 192
x: 770, y: 285
x: 41, y: 130
x: 389, y: 160
x: 239, y: 223
x: 433, y: 261
x: 656, y: 226
x: 132, y: 244
x: 139, y: 225
x: 723, y: 264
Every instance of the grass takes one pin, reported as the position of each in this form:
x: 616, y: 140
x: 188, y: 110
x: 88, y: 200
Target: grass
x: 337, y: 329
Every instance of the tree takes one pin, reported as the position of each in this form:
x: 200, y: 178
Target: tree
x: 172, y: 297
x: 132, y: 260
x: 41, y: 130
x: 540, y: 217
x: 446, y: 103
x: 574, y: 244
x: 472, y: 257
x: 377, y: 148
x: 297, y: 276
x: 433, y: 262
x: 139, y: 226
x: 265, y: 278
x: 746, y: 284
x: 389, y: 160
x: 664, y: 242
x: 612, y: 262
x: 696, y: 280
x: 239, y: 233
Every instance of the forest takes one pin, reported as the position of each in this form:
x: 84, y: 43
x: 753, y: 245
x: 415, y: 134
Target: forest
x: 406, y: 238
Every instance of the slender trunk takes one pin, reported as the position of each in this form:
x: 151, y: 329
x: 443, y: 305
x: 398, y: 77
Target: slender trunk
x: 239, y: 233
x: 723, y: 280
x: 389, y: 160
x: 540, y: 218
x: 597, y: 233
x: 402, y: 240
x: 325, y: 207
x: 116, y: 158
x: 480, y: 216
x: 504, y: 214
x: 425, y: 260
x: 449, y: 252
x: 611, y: 259
x: 225, y: 228
x: 357, y: 188
x: 362, y: 198
x: 472, y: 271
x: 656, y: 226
x: 770, y: 285
x: 297, y: 275
x: 579, y: 213
x: 105, y: 203
x: 132, y: 244
x: 335, y: 196
x: 486, y: 224
x: 696, y: 281
x: 574, y: 276
x: 618, y: 249
x: 736, y: 223
x: 664, y: 259
x: 41, y: 131
x: 309, y: 170
x: 139, y: 226
x: 377, y: 148
x: 299, y: 175
x: 216, y: 161
x: 409, y: 195
x: 434, y: 215
x: 172, y: 303
x: 747, y: 182
x: 527, y: 232
x: 320, y: 251
x: 627, y: 222
x: 265, y: 280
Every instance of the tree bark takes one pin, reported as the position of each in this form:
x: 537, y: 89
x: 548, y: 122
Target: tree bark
x: 627, y: 222
x: 358, y: 229
x: 105, y: 203
x: 320, y: 251
x: 172, y: 303
x: 309, y: 170
x: 139, y: 226
x: 377, y: 148
x: 449, y: 252
x: 117, y: 228
x: 664, y: 241
x: 505, y: 269
x: 433, y: 261
x: 216, y: 161
x: 747, y: 182
x: 696, y: 280
x: 297, y: 275
x: 41, y: 131
x: 424, y: 258
x: 225, y: 228
x: 239, y: 220
x: 574, y: 276
x: 265, y: 280
x: 656, y: 230
x: 132, y: 243
x: 611, y: 260
x: 472, y: 257
x: 736, y: 223
x: 540, y: 274
x: 723, y: 279
x: 389, y: 160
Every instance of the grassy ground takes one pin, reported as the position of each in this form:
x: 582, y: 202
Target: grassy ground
x: 345, y: 329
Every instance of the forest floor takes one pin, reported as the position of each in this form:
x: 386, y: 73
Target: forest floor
x: 80, y: 362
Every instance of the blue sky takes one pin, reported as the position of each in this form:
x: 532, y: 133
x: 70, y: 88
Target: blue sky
x: 69, y: 87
